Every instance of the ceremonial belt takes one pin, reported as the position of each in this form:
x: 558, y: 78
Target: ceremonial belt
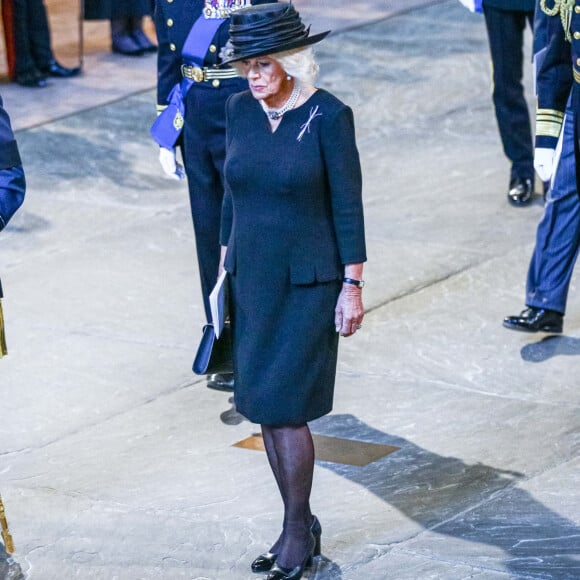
x: 168, y: 126
x: 201, y: 74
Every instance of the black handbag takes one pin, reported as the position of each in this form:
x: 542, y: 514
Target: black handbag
x: 214, y: 356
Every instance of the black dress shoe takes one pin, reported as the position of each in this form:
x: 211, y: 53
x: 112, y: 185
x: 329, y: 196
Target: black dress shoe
x: 536, y: 320
x: 265, y: 562
x: 279, y: 573
x: 33, y: 79
x: 219, y: 382
x: 521, y: 191
x: 125, y: 44
x: 143, y: 42
x: 56, y: 69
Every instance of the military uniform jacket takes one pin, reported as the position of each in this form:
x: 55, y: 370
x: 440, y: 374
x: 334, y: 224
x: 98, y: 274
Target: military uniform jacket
x: 517, y: 5
x: 173, y: 21
x: 12, y: 182
x: 558, y: 73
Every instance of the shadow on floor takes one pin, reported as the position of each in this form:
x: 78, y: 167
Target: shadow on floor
x: 551, y: 346
x: 438, y: 493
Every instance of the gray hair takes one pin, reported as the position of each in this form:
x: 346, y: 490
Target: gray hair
x: 299, y: 63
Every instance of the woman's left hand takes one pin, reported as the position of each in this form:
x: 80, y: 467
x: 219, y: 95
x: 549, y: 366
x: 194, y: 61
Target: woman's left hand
x: 349, y: 311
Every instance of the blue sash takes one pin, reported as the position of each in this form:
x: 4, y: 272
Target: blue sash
x: 169, y: 124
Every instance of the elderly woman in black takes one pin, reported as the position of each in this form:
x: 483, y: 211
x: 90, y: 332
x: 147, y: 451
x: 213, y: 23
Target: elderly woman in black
x: 293, y: 245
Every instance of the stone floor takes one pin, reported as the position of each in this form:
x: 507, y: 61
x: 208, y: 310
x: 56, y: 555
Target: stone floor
x: 117, y: 463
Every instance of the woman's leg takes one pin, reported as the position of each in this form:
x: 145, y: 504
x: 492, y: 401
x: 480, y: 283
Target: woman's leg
x: 291, y: 454
x: 273, y: 461
x: 135, y: 24
x: 122, y: 42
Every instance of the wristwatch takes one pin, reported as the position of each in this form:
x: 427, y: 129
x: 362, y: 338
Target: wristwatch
x: 359, y: 283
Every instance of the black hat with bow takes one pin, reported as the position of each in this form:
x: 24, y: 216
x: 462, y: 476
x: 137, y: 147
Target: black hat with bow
x: 267, y: 29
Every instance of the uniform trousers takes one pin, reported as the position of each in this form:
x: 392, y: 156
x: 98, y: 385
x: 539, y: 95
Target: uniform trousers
x: 558, y: 234
x: 204, y: 149
x: 505, y: 29
x: 31, y: 37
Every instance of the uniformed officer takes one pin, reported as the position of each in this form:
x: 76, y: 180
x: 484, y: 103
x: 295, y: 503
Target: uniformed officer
x: 12, y: 188
x: 191, y: 97
x: 34, y: 59
x: 558, y: 234
x: 506, y: 21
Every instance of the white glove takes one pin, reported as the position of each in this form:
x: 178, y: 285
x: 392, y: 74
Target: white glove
x: 171, y: 167
x: 544, y: 163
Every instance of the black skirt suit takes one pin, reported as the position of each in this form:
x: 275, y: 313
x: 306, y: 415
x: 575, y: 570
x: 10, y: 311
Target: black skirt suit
x: 292, y: 217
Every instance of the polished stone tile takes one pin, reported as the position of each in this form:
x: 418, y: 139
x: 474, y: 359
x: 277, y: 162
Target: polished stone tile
x: 117, y: 463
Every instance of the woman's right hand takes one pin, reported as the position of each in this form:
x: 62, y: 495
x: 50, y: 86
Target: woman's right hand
x: 349, y: 311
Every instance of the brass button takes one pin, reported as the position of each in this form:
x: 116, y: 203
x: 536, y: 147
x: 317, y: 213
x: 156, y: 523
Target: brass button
x: 170, y: 22
x: 169, y: 1
x: 212, y: 47
x: 215, y: 83
x: 172, y: 47
x: 578, y: 62
x: 577, y: 9
x: 576, y: 35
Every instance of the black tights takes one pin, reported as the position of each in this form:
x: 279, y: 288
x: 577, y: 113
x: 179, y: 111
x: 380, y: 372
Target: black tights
x: 290, y: 452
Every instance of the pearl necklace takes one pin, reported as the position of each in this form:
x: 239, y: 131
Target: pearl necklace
x: 275, y: 114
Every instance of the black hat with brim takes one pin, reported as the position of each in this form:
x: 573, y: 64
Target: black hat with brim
x: 267, y: 29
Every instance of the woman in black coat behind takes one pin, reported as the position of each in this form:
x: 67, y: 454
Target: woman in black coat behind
x: 293, y: 246
x: 126, y: 16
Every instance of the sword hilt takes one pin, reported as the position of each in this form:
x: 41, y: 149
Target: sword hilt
x: 8, y: 542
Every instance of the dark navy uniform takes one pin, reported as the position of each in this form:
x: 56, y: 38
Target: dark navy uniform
x: 506, y: 21
x: 203, y: 136
x: 32, y: 59
x: 12, y: 188
x: 558, y: 233
x: 12, y: 183
x: 559, y: 75
x: 31, y: 37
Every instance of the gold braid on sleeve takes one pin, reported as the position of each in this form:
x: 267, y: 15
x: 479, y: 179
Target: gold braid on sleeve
x: 564, y: 7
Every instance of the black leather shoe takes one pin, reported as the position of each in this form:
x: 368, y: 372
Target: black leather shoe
x: 223, y: 382
x: 265, y: 562
x: 536, y: 320
x: 143, y: 42
x: 521, y: 191
x: 125, y: 44
x: 31, y: 79
x: 56, y: 69
x: 279, y: 573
